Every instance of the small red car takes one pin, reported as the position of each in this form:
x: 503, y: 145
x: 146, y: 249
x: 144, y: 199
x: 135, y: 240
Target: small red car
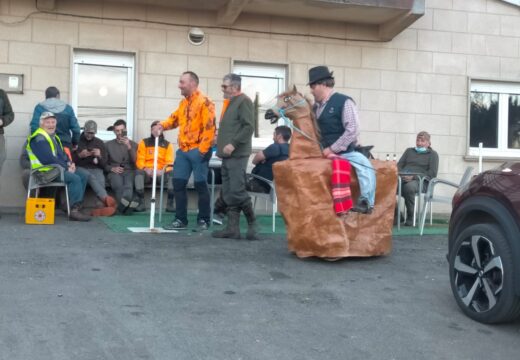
x: 484, y: 245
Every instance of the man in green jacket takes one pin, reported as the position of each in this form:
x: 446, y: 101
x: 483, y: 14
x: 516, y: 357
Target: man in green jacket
x: 234, y: 146
x: 6, y: 117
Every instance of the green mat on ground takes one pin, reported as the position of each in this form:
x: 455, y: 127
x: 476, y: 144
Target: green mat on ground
x: 121, y: 223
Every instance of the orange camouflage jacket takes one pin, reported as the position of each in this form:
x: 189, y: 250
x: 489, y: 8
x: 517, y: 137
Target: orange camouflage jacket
x: 195, y: 118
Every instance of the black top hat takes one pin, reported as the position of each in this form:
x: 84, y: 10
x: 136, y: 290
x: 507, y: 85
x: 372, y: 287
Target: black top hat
x: 319, y: 73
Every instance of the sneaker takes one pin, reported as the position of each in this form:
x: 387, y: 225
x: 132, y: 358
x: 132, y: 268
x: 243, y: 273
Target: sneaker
x: 202, y: 225
x: 176, y: 225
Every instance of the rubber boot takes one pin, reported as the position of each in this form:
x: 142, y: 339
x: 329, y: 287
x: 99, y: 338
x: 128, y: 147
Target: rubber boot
x: 252, y: 229
x: 140, y: 198
x: 169, y: 203
x: 220, y: 207
x: 232, y: 230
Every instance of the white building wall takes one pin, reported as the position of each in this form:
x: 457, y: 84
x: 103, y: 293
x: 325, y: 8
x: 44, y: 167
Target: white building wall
x: 418, y: 81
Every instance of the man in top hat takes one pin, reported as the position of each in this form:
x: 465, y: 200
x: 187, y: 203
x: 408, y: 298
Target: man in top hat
x: 91, y: 158
x: 339, y: 126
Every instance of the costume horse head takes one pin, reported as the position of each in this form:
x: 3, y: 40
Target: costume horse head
x: 305, y: 142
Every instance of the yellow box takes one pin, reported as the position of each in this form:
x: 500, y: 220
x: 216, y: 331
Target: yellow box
x: 39, y: 211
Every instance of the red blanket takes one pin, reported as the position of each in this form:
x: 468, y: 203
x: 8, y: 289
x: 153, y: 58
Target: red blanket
x: 340, y: 181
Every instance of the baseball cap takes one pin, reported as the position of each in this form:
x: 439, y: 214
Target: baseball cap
x: 90, y: 126
x: 46, y: 115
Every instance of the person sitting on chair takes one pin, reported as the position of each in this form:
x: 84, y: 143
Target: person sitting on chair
x: 45, y: 151
x: 120, y: 166
x: 144, y: 164
x: 90, y: 157
x: 264, y: 160
x: 421, y: 160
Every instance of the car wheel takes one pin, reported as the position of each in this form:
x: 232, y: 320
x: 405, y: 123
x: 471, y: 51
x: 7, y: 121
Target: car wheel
x: 481, y: 274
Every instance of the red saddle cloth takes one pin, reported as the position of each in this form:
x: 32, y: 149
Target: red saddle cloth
x: 340, y: 182
x: 303, y: 189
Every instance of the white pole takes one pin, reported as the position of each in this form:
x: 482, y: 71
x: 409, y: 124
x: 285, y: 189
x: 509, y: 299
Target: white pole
x: 480, y: 157
x: 154, y: 182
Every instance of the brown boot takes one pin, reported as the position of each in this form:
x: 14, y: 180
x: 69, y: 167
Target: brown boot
x: 252, y: 230
x: 77, y: 215
x: 232, y: 230
x: 104, y: 211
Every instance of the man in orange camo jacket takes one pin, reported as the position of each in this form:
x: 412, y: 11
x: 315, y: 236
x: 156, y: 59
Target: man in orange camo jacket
x: 195, y: 118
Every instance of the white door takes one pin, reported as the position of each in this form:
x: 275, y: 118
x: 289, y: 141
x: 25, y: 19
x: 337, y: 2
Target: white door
x: 103, y: 89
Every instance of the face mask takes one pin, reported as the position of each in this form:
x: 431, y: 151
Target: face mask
x: 421, y: 150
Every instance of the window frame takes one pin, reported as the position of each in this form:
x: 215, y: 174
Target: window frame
x: 106, y: 58
x: 503, y: 88
x: 263, y: 70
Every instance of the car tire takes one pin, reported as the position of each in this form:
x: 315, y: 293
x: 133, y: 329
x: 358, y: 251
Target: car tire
x: 482, y: 275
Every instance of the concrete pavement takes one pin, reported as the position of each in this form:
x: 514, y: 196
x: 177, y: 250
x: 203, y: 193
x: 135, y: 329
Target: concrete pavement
x: 79, y: 291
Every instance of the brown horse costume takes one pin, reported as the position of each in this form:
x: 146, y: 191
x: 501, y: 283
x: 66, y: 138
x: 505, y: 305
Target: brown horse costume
x: 303, y: 188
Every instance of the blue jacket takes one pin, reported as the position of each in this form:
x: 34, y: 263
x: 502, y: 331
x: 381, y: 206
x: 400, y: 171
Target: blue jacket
x: 67, y: 127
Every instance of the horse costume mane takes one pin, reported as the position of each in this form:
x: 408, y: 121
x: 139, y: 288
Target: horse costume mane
x: 305, y: 142
x: 303, y: 189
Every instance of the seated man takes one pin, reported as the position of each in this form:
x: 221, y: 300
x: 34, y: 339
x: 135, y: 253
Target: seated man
x: 120, y: 166
x: 422, y: 160
x: 44, y: 148
x: 144, y: 165
x: 90, y: 157
x: 264, y: 160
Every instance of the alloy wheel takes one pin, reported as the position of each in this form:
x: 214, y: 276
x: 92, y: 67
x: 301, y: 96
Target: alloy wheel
x: 478, y: 274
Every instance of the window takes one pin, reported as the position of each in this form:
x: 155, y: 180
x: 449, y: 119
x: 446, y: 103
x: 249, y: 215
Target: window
x: 494, y: 118
x: 103, y: 89
x: 266, y: 80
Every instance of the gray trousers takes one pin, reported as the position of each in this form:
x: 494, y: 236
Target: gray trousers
x: 234, y: 190
x: 2, y: 152
x: 408, y: 191
x: 96, y: 180
x: 141, y: 178
x: 122, y: 184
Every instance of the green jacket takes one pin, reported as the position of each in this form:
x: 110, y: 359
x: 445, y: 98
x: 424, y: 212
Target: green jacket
x: 237, y: 127
x: 6, y: 111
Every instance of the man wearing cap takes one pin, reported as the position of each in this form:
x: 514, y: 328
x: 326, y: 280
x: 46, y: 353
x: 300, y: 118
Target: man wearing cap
x: 91, y: 157
x: 44, y: 148
x: 339, y: 126
x: 145, y: 162
x: 67, y: 124
x: 6, y: 117
x: 421, y: 160
x: 195, y: 118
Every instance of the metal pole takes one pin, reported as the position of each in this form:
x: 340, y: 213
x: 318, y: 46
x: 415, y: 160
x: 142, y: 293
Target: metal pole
x: 154, y: 183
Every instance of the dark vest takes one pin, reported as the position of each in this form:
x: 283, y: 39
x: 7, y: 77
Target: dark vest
x: 330, y: 123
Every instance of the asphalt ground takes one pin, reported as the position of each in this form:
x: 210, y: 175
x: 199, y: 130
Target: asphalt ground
x: 80, y: 291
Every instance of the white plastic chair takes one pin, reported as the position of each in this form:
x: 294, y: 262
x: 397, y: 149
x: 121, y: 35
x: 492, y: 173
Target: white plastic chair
x: 60, y: 182
x: 271, y: 196
x: 430, y: 196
